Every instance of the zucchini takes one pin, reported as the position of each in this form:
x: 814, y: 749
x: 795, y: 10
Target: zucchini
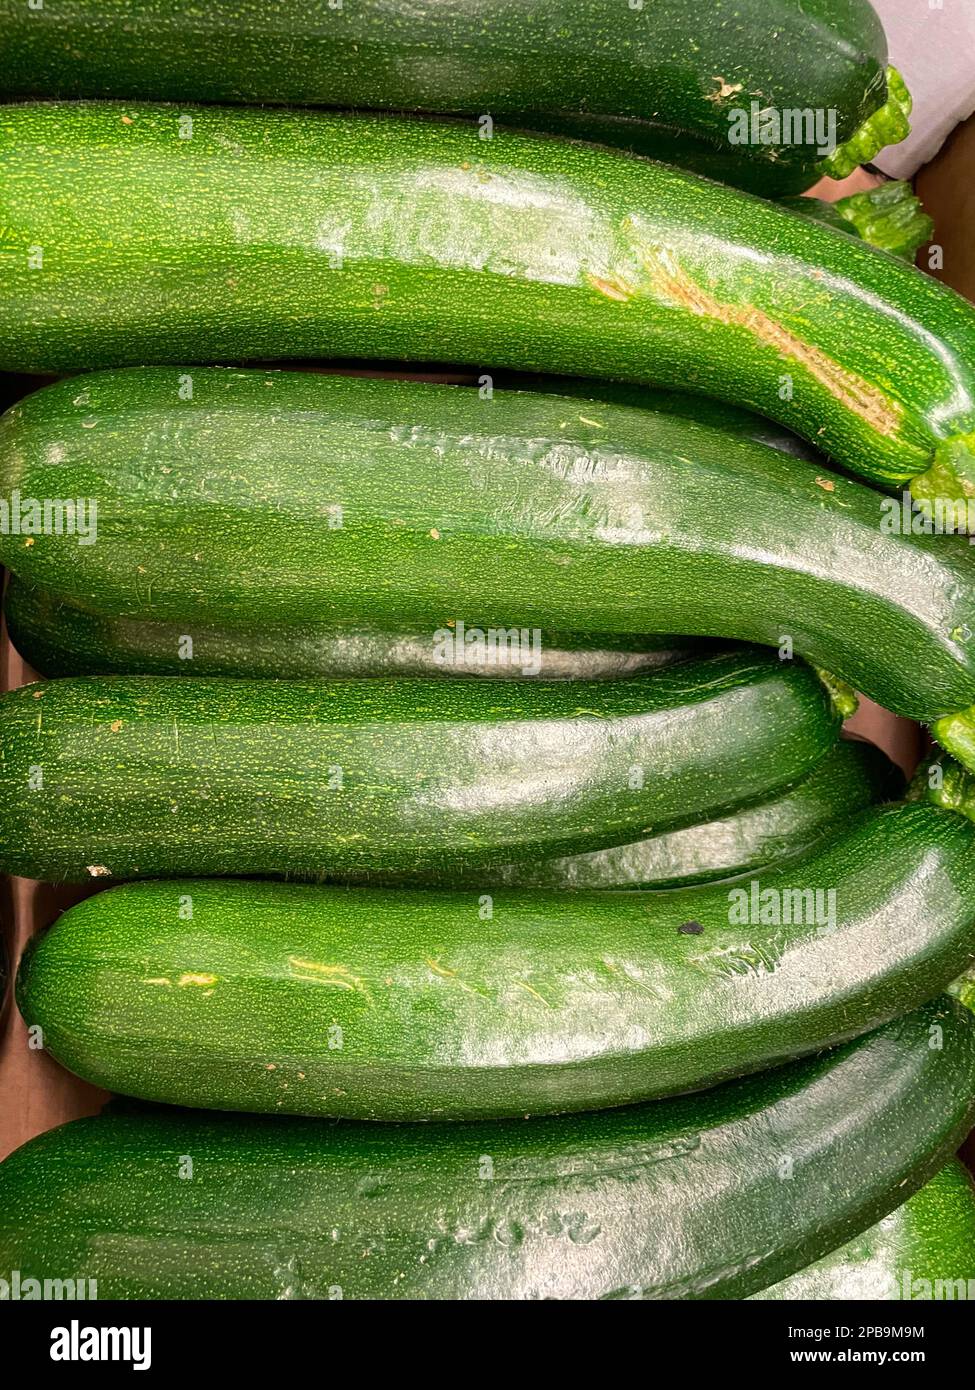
x: 964, y: 989
x: 712, y: 1196
x: 889, y: 217
x: 463, y: 1005
x: 657, y: 78
x: 58, y: 639
x: 295, y: 234
x: 549, y: 512
x: 925, y: 1249
x: 850, y: 778
x: 226, y: 776
x: 701, y: 410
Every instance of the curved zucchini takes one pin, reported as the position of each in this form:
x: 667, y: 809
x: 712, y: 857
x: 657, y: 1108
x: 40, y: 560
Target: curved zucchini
x: 890, y: 217
x: 685, y: 1198
x: 302, y: 233
x: 570, y: 516
x: 925, y: 1249
x: 850, y: 778
x: 58, y: 639
x: 147, y: 775
x: 398, y: 1005
x: 700, y: 410
x: 592, y: 69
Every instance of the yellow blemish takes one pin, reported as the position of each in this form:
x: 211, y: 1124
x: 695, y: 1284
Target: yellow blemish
x: 725, y: 89
x: 98, y: 871
x: 435, y: 533
x: 439, y: 969
x: 158, y: 980
x: 126, y: 120
x: 671, y: 283
x: 617, y: 288
x: 826, y: 484
x: 191, y: 979
x: 521, y: 984
x: 451, y: 975
x: 315, y: 972
x: 28, y: 542
x: 596, y: 424
x: 115, y: 725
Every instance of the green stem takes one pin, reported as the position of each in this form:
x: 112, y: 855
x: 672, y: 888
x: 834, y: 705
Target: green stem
x: 889, y: 217
x: 887, y: 126
x: 950, y: 480
x: 956, y: 734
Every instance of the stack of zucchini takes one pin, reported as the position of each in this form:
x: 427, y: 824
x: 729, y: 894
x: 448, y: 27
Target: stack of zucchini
x: 468, y: 757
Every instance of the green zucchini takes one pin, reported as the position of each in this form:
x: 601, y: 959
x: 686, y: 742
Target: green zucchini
x: 923, y: 1250
x: 58, y: 639
x: 658, y: 79
x: 271, y: 234
x: 701, y: 410
x: 853, y: 776
x: 964, y: 989
x: 546, y: 511
x: 153, y: 775
x: 711, y: 1196
x: 277, y: 997
x: 889, y: 217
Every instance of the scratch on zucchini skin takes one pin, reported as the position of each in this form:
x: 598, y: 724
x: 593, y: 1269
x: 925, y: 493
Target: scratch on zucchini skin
x: 315, y: 972
x: 742, y: 960
x: 671, y: 283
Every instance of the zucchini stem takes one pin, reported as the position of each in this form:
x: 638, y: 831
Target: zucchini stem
x: 888, y: 125
x: 951, y: 477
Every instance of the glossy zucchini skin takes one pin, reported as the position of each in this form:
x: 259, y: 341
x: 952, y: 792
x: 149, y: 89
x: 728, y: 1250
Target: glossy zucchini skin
x: 297, y: 234
x: 225, y: 776
x: 546, y: 511
x: 406, y: 1005
x: 850, y: 778
x: 658, y: 79
x: 930, y: 1239
x: 677, y: 1199
x: 701, y: 410
x: 58, y: 639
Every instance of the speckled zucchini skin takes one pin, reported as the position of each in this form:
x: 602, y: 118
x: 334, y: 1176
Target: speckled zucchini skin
x: 659, y: 79
x: 466, y: 1005
x: 676, y: 1199
x: 544, y: 511
x: 701, y: 410
x: 930, y: 1238
x: 153, y: 775
x: 271, y: 234
x: 58, y: 639
x: 850, y: 778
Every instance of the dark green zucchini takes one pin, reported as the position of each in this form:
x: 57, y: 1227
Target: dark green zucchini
x: 923, y: 1250
x: 152, y: 775
x: 58, y: 639
x: 853, y: 776
x: 889, y: 217
x: 711, y: 1196
x: 665, y: 78
x: 545, y: 511
x: 417, y: 1005
x: 269, y: 234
